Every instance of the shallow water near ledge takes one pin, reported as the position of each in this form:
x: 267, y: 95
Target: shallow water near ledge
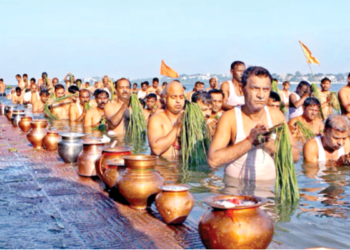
x: 321, y: 219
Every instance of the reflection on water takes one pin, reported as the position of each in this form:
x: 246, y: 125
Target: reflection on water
x: 320, y: 219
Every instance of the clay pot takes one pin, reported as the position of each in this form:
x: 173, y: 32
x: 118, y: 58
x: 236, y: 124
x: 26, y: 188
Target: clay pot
x: 50, y: 141
x: 70, y: 146
x: 109, y: 173
x: 140, y: 183
x: 174, y: 203
x: 24, y: 123
x: 37, y: 133
x: 87, y: 158
x: 242, y: 226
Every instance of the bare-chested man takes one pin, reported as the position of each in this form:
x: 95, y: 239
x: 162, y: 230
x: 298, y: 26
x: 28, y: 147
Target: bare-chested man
x: 95, y: 116
x: 42, y: 81
x: 118, y: 112
x: 217, y: 97
x: 34, y: 91
x: 135, y: 89
x: 344, y: 98
x: 55, y: 81
x: 310, y: 118
x: 328, y: 101
x: 233, y: 93
x: 12, y: 92
x: 152, y: 108
x: 198, y: 86
x: 20, y: 81
x: 2, y: 87
x: 164, y: 128
x: 77, y: 110
x: 18, y: 97
x: 25, y: 80
x: 330, y: 147
x: 235, y: 141
x: 106, y: 85
x: 38, y: 105
x: 61, y: 109
x: 155, y: 88
x: 213, y: 84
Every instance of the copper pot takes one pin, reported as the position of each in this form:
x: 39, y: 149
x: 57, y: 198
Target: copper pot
x: 50, y: 141
x: 174, y: 203
x: 37, y: 133
x: 241, y: 226
x: 108, y: 173
x: 87, y: 158
x: 140, y: 183
x: 24, y: 123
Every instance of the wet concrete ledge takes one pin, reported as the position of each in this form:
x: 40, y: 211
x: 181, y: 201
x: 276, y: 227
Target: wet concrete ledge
x: 45, y: 204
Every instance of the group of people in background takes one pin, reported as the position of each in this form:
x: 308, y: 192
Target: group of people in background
x: 237, y: 112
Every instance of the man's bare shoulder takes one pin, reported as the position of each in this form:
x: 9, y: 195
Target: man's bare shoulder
x: 311, y: 144
x: 345, y: 89
x: 159, y: 117
x: 293, y: 120
x: 91, y: 111
x: 228, y: 117
x: 276, y: 115
x: 224, y: 84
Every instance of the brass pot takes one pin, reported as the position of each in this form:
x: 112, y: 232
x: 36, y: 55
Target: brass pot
x: 87, y: 158
x: 50, y: 141
x: 37, y: 133
x: 140, y: 183
x: 109, y: 173
x: 242, y: 226
x: 174, y: 203
x: 24, y: 123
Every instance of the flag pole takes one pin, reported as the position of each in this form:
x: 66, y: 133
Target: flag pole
x: 307, y: 61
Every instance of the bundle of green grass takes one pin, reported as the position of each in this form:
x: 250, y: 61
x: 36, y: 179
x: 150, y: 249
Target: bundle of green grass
x: 304, y: 130
x: 55, y: 100
x: 136, y: 131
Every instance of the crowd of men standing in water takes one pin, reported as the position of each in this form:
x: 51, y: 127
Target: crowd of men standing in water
x: 237, y: 113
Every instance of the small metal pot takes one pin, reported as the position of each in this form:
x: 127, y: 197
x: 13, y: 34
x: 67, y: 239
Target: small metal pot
x: 16, y: 117
x: 70, y: 146
x: 2, y: 109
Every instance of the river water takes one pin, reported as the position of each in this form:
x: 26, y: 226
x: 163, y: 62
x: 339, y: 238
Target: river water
x: 321, y: 219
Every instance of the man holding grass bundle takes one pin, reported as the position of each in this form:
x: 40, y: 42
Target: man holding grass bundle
x: 77, y: 110
x: 237, y: 141
x: 164, y: 128
x: 95, y: 116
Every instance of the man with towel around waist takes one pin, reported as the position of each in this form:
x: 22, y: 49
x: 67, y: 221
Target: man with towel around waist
x: 235, y: 141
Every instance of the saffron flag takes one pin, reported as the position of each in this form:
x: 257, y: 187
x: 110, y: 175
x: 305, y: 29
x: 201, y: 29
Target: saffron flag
x: 165, y: 70
x: 309, y: 57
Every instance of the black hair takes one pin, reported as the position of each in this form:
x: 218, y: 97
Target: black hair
x: 135, y: 84
x: 146, y: 83
x: 203, y: 96
x: 151, y: 95
x: 164, y: 83
x: 143, y: 104
x: 18, y: 89
x: 302, y: 83
x: 275, y: 96
x: 217, y: 91
x: 78, y: 80
x: 44, y: 92
x: 348, y: 75
x: 1, y: 80
x: 142, y: 83
x: 275, y: 79
x: 32, y: 79
x: 325, y: 79
x: 176, y: 80
x: 233, y: 65
x: 117, y: 81
x: 18, y: 75
x: 255, y: 71
x: 310, y: 101
x: 155, y: 79
x: 59, y: 86
x: 198, y: 82
x: 84, y: 90
x: 285, y: 82
x: 101, y: 91
x: 73, y: 89
x: 25, y: 75
x: 44, y: 73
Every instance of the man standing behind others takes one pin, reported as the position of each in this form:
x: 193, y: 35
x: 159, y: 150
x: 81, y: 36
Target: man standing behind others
x: 164, y: 128
x: 235, y: 141
x: 42, y: 83
x: 2, y: 87
x: 213, y: 84
x: 155, y: 88
x: 297, y: 98
x: 344, y: 98
x: 143, y: 91
x: 20, y: 81
x: 233, y: 94
x: 77, y: 110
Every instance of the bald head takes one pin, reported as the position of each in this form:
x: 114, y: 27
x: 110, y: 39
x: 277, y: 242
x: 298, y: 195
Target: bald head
x: 174, y: 86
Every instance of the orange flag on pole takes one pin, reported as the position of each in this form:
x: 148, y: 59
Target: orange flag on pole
x: 165, y: 70
x: 309, y: 57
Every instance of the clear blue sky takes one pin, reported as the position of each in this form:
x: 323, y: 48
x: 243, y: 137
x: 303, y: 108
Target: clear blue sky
x: 129, y: 38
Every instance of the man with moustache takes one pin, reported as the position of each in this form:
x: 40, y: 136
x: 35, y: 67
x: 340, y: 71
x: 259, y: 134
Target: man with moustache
x: 233, y: 94
x: 164, y: 128
x: 155, y: 88
x: 95, y: 116
x: 327, y: 102
x: 213, y: 84
x: 235, y: 141
x: 117, y: 112
x: 60, y: 109
x: 38, y: 105
x: 331, y: 146
x: 2, y: 87
x: 310, y: 118
x: 77, y: 110
x: 344, y: 98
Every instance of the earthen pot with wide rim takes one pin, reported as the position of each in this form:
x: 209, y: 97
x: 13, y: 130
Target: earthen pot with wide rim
x: 50, y: 141
x: 37, y: 133
x: 174, y: 203
x: 229, y: 226
x: 24, y: 123
x: 92, y: 149
x: 109, y: 173
x: 139, y: 184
